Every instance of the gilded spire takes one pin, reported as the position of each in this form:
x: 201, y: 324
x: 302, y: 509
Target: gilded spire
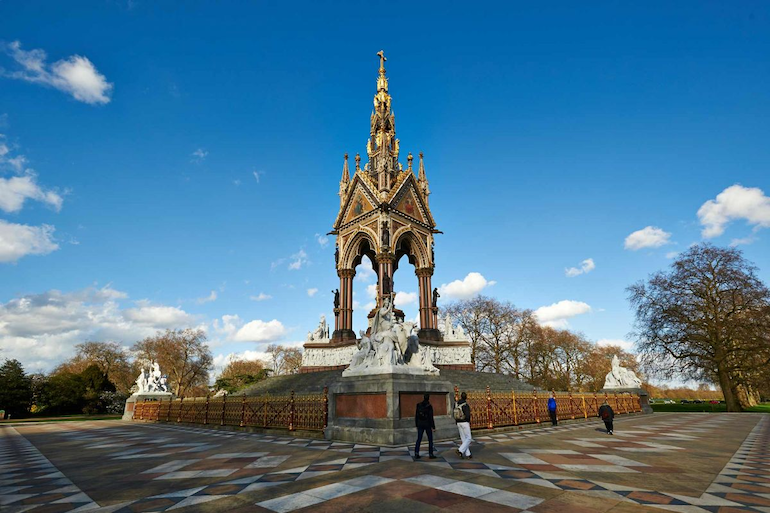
x: 382, y: 147
x: 409, y: 159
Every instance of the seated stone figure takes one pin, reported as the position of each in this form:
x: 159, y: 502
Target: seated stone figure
x: 620, y: 377
x: 390, y: 345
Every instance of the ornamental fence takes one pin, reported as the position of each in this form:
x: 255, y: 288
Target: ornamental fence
x: 499, y: 409
x: 305, y: 412
x: 310, y: 412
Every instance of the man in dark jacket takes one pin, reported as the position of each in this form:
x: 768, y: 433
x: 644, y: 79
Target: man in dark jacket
x: 423, y: 419
x: 606, y: 414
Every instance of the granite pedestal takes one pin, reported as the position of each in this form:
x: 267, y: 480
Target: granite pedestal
x: 128, y: 410
x: 380, y: 409
x: 644, y: 396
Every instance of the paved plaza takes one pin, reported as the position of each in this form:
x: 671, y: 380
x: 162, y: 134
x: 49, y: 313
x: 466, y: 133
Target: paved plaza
x: 674, y: 462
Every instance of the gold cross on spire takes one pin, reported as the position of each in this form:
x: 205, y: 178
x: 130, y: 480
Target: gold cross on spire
x: 382, y: 57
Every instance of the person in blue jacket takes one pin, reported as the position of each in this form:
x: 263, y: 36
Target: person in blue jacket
x: 552, y: 408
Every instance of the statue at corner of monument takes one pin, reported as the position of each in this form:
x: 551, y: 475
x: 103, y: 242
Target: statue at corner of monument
x: 151, y: 381
x: 620, y: 377
x: 320, y: 334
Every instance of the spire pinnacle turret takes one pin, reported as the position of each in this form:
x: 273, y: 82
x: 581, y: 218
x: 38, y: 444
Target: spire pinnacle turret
x: 345, y: 181
x: 382, y: 146
x: 422, y: 180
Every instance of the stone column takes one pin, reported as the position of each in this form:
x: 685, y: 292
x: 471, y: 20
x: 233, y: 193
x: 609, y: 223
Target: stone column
x: 344, y: 328
x: 428, y: 325
x: 385, y: 263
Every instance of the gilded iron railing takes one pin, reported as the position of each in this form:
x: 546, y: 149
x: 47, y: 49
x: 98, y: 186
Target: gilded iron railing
x: 307, y: 412
x: 499, y: 409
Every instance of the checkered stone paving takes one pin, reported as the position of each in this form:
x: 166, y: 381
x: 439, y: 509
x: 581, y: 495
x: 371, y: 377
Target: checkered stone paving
x: 689, y: 463
x: 28, y: 479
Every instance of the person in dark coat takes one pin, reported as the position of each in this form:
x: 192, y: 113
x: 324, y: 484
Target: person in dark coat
x: 606, y: 414
x: 423, y: 419
x: 552, y: 408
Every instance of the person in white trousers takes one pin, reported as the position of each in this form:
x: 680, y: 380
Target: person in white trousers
x: 464, y: 427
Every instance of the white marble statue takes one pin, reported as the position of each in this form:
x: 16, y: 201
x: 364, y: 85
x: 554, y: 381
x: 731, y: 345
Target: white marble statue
x: 620, y: 377
x: 320, y: 334
x: 151, y: 381
x: 450, y: 332
x: 390, y: 348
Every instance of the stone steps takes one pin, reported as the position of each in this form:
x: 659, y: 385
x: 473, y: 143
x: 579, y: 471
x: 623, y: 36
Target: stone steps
x: 314, y: 382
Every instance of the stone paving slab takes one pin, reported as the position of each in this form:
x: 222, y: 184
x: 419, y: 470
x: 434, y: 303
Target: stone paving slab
x: 663, y: 462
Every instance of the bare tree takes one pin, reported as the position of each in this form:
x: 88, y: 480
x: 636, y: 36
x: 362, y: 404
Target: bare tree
x: 284, y: 360
x: 183, y: 354
x: 110, y: 357
x: 707, y: 318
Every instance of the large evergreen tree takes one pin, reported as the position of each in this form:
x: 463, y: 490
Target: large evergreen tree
x: 15, y: 389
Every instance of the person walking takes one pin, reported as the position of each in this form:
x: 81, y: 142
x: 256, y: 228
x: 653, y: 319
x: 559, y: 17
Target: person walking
x: 552, y: 408
x: 462, y: 416
x: 606, y: 414
x: 423, y: 419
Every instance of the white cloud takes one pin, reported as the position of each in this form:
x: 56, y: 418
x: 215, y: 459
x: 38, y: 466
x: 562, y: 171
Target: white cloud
x: 75, y: 75
x: 208, y: 299
x: 649, y: 237
x: 405, y: 298
x: 261, y: 297
x: 672, y: 254
x: 625, y: 345
x: 312, y: 292
x: 19, y: 240
x: 371, y: 290
x: 745, y: 241
x: 260, y: 331
x: 557, y: 314
x: 322, y: 240
x: 16, y: 190
x: 735, y: 202
x: 257, y: 174
x: 471, y: 285
x: 40, y: 330
x: 586, y: 266
x: 298, y: 260
x: 146, y: 314
x: 199, y: 155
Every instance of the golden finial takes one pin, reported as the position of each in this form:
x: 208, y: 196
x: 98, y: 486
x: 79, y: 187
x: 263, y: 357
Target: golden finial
x: 382, y: 57
x: 358, y: 162
x: 345, y: 173
x: 409, y: 160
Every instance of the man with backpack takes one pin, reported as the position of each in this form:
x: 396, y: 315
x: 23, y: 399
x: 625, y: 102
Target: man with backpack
x: 606, y: 414
x: 423, y: 419
x: 462, y: 416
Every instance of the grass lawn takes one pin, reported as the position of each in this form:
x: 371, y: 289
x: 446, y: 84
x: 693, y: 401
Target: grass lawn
x: 65, y: 418
x: 705, y: 407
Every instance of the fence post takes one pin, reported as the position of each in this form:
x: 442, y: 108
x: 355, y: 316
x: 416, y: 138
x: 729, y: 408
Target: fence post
x: 264, y: 410
x: 534, y: 400
x: 291, y: 412
x: 243, y: 410
x: 206, y: 414
x: 585, y: 411
x: 489, y: 409
x: 179, y: 415
x: 224, y: 405
x: 571, y: 406
x: 326, y: 407
x: 515, y: 415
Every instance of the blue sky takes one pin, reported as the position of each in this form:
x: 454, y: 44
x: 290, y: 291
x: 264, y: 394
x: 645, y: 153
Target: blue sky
x: 165, y: 166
